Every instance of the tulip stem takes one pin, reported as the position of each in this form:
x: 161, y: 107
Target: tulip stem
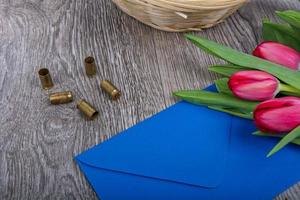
x: 289, y: 90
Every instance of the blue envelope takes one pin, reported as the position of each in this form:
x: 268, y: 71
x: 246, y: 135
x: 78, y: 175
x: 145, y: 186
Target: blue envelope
x: 190, y: 152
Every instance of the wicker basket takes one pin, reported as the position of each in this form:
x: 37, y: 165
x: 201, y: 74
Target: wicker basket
x: 179, y: 15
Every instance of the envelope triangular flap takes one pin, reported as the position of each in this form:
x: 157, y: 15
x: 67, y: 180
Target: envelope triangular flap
x: 184, y: 143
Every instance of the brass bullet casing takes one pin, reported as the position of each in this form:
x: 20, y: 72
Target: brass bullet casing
x: 87, y: 109
x: 90, y: 66
x: 45, y: 78
x: 61, y: 97
x: 109, y: 88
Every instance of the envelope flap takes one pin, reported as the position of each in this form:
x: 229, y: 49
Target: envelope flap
x: 169, y: 146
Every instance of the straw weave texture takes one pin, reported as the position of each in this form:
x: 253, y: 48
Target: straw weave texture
x: 179, y: 15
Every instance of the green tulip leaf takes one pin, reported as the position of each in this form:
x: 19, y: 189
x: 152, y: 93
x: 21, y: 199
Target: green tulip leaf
x: 281, y: 33
x: 259, y: 133
x: 242, y: 59
x: 215, y: 99
x: 285, y: 140
x: 222, y: 86
x: 226, y: 70
x: 292, y: 17
x: 235, y: 112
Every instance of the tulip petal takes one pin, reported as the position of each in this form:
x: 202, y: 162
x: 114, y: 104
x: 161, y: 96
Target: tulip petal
x: 278, y: 53
x: 285, y: 140
x: 254, y: 85
x: 279, y: 102
x: 278, y: 120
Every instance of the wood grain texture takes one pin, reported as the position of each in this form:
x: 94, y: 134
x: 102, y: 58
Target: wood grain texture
x: 38, y: 141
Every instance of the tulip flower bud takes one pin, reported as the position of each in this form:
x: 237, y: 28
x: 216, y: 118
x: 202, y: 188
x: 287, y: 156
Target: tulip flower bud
x: 280, y: 115
x: 253, y: 85
x: 278, y: 53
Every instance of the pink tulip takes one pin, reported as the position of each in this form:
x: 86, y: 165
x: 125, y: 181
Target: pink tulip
x: 254, y: 85
x: 279, y: 115
x: 278, y: 53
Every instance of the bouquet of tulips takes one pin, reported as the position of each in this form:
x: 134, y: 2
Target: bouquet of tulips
x: 264, y: 86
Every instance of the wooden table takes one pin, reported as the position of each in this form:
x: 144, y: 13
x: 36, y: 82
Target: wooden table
x: 38, y: 141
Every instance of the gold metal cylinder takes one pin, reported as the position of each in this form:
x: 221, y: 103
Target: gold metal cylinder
x: 45, y: 78
x: 90, y: 66
x: 109, y: 88
x: 89, y: 111
x: 61, y: 97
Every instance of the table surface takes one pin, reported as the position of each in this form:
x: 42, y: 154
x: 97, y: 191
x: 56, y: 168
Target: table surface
x: 38, y: 141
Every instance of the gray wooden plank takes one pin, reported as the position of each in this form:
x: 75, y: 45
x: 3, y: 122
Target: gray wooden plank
x: 37, y: 140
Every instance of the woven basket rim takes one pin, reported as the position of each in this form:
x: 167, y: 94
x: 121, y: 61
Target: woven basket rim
x: 192, y: 4
x: 180, y: 15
